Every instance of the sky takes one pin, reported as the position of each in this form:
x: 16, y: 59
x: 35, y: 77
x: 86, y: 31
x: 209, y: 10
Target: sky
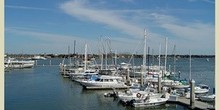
x: 51, y: 26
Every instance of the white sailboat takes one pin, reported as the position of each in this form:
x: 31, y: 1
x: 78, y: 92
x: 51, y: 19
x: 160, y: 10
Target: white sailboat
x: 79, y: 75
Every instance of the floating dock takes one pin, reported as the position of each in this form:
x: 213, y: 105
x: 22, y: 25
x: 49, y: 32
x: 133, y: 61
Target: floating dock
x: 198, y: 104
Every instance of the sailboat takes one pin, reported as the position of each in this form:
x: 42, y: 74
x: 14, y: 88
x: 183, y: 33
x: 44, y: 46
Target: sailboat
x: 176, y: 84
x: 79, y: 76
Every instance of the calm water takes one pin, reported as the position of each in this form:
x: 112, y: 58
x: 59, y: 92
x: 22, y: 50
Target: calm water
x: 43, y: 88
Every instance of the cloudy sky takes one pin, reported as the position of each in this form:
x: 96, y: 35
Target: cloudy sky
x: 51, y: 26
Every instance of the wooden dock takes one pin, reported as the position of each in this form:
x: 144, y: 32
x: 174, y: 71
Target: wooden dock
x: 198, y: 104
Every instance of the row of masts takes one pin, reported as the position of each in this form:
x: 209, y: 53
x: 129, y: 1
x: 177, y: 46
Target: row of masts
x: 144, y: 67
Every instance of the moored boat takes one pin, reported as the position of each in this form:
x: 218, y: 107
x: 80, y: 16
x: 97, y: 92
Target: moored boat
x: 207, y: 98
x: 150, y: 101
x: 201, y: 89
x: 19, y: 64
x: 105, y: 82
x: 134, y: 94
x: 176, y: 84
x: 38, y: 58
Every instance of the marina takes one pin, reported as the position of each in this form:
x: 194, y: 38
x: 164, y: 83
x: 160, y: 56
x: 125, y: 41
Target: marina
x: 110, y: 55
x: 48, y: 86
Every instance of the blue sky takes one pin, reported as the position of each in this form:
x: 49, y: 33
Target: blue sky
x: 50, y: 26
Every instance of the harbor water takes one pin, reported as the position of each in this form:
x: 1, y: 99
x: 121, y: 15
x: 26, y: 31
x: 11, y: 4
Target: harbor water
x: 44, y: 88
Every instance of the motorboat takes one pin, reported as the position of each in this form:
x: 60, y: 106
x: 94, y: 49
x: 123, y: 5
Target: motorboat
x: 136, y: 94
x: 199, y: 91
x: 175, y: 84
x: 149, y: 101
x: 104, y: 82
x: 38, y: 58
x: 207, y: 98
x: 18, y: 64
x: 201, y: 88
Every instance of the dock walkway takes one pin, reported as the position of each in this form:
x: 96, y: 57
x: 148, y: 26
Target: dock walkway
x: 198, y: 104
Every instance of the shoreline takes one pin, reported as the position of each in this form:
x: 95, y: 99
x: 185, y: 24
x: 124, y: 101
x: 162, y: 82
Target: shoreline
x: 110, y: 55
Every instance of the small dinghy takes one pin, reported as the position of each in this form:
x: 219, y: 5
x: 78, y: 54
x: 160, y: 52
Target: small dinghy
x: 208, y: 98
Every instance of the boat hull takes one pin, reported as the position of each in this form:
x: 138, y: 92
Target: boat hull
x: 103, y: 85
x: 150, y: 103
x: 208, y: 98
x: 19, y: 64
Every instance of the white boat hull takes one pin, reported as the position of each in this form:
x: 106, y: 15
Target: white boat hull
x: 128, y: 97
x: 207, y: 98
x: 150, y: 103
x: 102, y: 85
x: 19, y: 64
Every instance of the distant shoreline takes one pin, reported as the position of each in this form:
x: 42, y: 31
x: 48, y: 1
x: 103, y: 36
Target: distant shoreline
x: 109, y: 56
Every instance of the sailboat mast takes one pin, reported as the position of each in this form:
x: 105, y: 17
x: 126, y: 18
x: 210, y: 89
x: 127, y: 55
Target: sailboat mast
x: 74, y: 48
x: 165, y: 63
x: 102, y: 60
x: 85, y: 64
x: 106, y: 55
x: 145, y: 47
x: 190, y: 77
x: 174, y: 59
x: 69, y: 54
x: 101, y: 52
x: 116, y: 58
x: 148, y: 58
x: 144, y: 58
x: 74, y: 52
x: 152, y: 57
x: 159, y: 55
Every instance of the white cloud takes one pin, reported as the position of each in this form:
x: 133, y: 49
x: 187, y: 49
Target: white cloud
x: 82, y: 11
x: 57, y: 43
x: 194, y: 35
x: 208, y: 1
x: 161, y: 18
x: 128, y: 1
x: 190, y: 31
x: 25, y: 7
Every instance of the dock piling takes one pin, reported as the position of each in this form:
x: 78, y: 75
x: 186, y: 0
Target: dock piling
x: 128, y: 77
x: 159, y: 84
x: 192, y: 94
x: 142, y: 79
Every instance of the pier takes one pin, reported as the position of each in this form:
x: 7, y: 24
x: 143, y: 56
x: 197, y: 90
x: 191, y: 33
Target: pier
x: 190, y: 103
x: 198, y: 104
